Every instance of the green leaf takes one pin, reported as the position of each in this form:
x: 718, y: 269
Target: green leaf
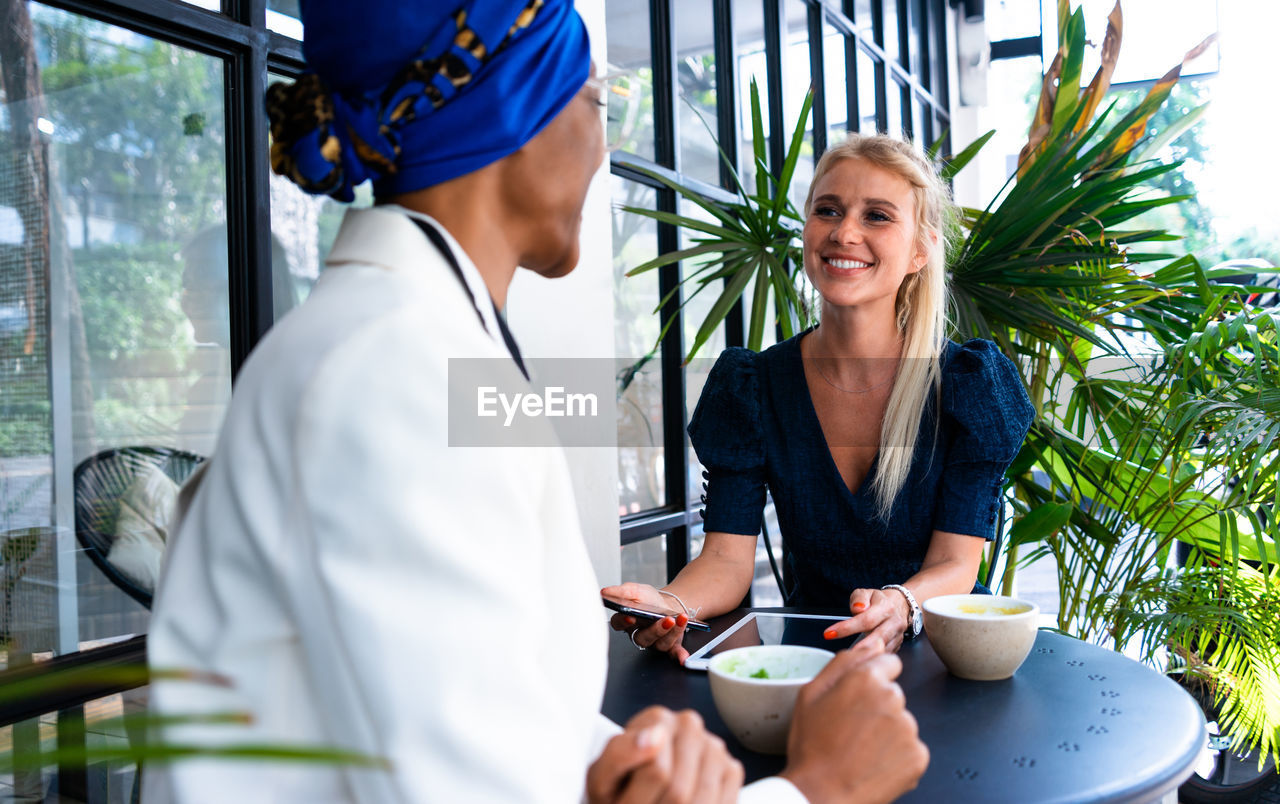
x: 728, y: 297
x: 1039, y: 523
x: 956, y: 163
x: 793, y: 157
x: 1069, y: 79
x: 1177, y: 129
x: 758, y: 143
x: 682, y: 254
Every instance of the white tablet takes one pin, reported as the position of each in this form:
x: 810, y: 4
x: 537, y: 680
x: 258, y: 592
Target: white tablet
x: 771, y: 628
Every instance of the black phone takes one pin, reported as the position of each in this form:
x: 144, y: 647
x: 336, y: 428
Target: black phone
x: 647, y: 613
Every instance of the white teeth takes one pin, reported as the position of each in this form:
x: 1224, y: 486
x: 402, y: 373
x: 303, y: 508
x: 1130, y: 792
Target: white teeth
x: 846, y: 265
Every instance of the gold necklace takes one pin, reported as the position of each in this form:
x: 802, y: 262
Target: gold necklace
x: 866, y: 390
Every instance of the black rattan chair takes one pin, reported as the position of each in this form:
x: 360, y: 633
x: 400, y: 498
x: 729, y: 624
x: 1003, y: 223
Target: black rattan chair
x: 100, y: 480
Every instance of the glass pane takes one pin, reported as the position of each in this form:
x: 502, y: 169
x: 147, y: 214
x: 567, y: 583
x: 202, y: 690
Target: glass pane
x: 646, y: 561
x: 113, y: 316
x: 862, y: 16
x: 302, y: 229
x: 764, y: 587
x: 212, y: 5
x: 1013, y: 86
x: 924, y: 130
x: 797, y: 75
x: 627, y: 29
x: 696, y: 308
x: 696, y: 83
x: 1151, y: 46
x: 641, y: 478
x: 913, y: 35
x: 940, y: 68
x: 836, y: 84
x: 908, y: 114
x: 748, y: 23
x: 1011, y: 19
x: 866, y: 92
x: 893, y: 94
x: 890, y: 32
x: 284, y: 17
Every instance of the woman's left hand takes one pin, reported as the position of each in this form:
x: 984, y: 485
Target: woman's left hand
x: 879, y: 612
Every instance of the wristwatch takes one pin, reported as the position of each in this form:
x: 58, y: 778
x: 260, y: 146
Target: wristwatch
x: 915, y: 622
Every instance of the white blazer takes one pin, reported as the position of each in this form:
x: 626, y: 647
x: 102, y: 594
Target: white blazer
x: 360, y: 583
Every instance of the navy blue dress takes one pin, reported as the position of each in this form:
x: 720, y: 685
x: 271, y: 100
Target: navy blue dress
x: 755, y: 427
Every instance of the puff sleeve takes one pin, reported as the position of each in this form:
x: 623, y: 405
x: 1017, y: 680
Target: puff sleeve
x: 726, y: 433
x: 986, y: 410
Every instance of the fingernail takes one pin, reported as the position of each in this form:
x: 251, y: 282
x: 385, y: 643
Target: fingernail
x: 629, y: 620
x: 647, y: 737
x: 859, y: 607
x: 682, y: 620
x: 644, y: 739
x: 668, y: 623
x: 830, y: 633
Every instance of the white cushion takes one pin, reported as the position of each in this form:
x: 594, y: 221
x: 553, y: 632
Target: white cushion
x: 143, y: 527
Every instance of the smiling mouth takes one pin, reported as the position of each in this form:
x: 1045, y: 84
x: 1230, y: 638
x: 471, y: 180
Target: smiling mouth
x: 846, y: 265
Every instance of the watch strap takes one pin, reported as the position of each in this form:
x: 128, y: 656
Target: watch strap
x: 914, y: 624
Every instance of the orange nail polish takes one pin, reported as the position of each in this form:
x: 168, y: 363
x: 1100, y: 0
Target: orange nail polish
x: 682, y: 620
x: 830, y: 633
x: 859, y: 607
x: 668, y: 623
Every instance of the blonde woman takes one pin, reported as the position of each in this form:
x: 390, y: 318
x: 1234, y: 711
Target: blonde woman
x: 884, y: 444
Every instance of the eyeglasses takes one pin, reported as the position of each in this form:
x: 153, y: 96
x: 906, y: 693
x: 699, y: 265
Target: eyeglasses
x: 620, y: 92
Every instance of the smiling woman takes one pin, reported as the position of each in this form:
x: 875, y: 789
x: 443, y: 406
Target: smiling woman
x: 884, y: 445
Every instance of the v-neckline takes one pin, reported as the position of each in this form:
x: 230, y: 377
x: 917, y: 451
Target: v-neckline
x: 816, y: 425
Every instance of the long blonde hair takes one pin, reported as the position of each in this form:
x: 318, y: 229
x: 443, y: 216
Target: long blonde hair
x: 921, y: 304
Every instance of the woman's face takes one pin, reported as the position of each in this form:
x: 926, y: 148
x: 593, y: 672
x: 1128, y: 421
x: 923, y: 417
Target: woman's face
x: 860, y: 236
x: 550, y: 181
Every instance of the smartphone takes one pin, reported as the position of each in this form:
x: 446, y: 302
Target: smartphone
x: 648, y: 613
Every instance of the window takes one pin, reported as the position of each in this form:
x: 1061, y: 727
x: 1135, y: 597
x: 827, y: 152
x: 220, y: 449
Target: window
x: 135, y: 278
x: 115, y: 259
x: 641, y: 481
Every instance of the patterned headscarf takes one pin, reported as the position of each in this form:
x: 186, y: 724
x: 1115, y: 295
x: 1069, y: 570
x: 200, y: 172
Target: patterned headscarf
x: 409, y: 96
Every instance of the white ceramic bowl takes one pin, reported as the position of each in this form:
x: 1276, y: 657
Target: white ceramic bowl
x: 755, y: 690
x: 981, y: 637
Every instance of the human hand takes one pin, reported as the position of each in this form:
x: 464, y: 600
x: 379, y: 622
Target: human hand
x: 666, y: 635
x: 876, y: 612
x: 852, y: 738
x: 664, y: 756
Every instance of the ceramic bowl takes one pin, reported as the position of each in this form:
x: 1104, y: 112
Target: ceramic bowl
x: 755, y: 690
x: 981, y: 637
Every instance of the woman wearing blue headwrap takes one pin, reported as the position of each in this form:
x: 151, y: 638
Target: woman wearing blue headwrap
x: 337, y: 558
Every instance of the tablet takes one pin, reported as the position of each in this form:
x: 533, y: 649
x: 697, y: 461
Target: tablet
x: 771, y: 628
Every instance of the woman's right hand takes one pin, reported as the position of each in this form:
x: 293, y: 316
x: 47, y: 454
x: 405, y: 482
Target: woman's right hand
x: 666, y: 635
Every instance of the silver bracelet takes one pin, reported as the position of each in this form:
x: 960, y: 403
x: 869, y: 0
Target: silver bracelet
x: 692, y: 615
x: 914, y: 624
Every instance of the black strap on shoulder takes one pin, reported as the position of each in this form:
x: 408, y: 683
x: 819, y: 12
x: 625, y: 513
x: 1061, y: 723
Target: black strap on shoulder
x: 442, y: 246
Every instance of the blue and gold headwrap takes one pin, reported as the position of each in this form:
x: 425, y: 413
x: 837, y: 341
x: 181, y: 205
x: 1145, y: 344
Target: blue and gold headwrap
x: 410, y: 96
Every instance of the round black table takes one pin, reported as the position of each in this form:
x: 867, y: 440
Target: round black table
x: 1076, y: 723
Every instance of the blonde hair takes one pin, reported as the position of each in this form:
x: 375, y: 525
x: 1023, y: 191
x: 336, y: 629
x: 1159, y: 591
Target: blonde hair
x: 921, y: 304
